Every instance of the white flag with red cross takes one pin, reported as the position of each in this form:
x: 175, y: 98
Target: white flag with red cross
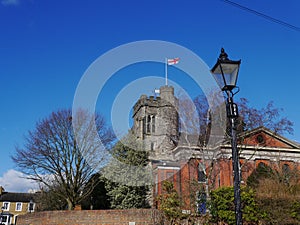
x: 173, y: 61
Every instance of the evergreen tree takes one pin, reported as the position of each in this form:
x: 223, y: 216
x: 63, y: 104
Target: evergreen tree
x: 98, y: 199
x: 222, y: 206
x: 170, y: 203
x: 128, y: 175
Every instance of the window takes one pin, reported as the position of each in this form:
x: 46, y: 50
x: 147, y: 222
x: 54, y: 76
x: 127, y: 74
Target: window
x: 244, y: 170
x: 260, y: 139
x: 6, y: 219
x: 153, y: 124
x: 30, y: 206
x: 149, y: 124
x: 262, y: 165
x: 286, y: 168
x: 286, y: 172
x: 201, y: 202
x: 5, y: 206
x: 170, y: 176
x: 201, y: 173
x: 144, y: 125
x: 19, y: 206
x: 152, y: 146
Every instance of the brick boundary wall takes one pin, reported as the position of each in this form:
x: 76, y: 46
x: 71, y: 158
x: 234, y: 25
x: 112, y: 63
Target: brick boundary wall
x: 95, y: 217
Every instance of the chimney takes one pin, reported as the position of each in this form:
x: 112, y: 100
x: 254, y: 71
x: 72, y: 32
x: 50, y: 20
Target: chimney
x: 1, y: 190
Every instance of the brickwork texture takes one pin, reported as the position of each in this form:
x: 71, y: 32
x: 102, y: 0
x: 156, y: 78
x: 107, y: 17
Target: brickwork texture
x: 95, y: 217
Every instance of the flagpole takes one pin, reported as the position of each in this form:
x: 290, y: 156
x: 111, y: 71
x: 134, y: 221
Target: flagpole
x: 166, y: 71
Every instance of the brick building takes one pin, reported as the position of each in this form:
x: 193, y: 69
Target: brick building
x: 186, y: 163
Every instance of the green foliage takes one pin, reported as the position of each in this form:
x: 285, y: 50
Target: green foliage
x: 295, y: 211
x: 130, y: 151
x: 197, y: 196
x: 222, y: 205
x: 128, y: 175
x: 170, y: 203
x: 251, y: 212
x: 223, y: 209
x: 126, y: 197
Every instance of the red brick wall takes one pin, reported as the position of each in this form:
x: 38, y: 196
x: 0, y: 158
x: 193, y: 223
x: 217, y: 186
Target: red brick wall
x: 95, y: 217
x: 267, y: 141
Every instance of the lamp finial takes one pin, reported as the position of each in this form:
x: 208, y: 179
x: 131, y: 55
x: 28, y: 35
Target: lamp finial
x: 223, y: 56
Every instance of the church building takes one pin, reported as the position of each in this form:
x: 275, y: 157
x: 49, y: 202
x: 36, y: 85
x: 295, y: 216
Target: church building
x: 193, y: 167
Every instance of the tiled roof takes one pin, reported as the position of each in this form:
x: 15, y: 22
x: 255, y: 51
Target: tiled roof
x: 17, y: 197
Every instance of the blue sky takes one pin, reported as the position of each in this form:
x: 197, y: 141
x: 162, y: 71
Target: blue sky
x: 46, y: 46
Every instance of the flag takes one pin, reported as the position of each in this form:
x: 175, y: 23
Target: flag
x: 173, y: 61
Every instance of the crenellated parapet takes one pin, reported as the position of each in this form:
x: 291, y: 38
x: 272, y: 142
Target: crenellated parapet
x: 156, y: 120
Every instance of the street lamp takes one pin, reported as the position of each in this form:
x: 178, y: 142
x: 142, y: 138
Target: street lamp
x: 225, y: 72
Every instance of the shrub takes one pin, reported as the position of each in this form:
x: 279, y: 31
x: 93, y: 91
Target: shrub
x: 223, y: 209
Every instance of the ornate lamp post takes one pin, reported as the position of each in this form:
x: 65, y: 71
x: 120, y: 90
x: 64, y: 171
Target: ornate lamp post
x: 225, y: 72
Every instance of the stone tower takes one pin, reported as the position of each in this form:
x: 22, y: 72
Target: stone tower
x: 156, y: 122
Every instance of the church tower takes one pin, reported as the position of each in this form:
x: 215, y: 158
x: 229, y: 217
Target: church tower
x: 156, y: 122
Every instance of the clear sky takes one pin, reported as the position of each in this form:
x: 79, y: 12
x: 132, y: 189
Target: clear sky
x: 46, y: 46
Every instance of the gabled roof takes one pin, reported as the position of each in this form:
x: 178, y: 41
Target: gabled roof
x: 264, y: 137
x: 17, y: 197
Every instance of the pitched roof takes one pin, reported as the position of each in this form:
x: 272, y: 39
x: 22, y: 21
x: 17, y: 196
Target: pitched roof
x: 275, y: 136
x: 17, y: 197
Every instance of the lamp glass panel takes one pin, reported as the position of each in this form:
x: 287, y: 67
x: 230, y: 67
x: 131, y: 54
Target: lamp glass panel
x: 230, y: 73
x: 218, y: 77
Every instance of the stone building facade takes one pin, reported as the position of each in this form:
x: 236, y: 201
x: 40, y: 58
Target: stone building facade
x: 156, y: 123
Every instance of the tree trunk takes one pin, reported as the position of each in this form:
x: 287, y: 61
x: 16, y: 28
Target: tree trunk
x: 70, y: 204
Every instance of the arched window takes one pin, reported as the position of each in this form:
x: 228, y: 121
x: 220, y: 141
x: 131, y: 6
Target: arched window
x: 153, y: 124
x: 149, y: 124
x: 262, y: 165
x: 201, y: 173
x: 286, y: 168
x: 152, y: 146
x: 286, y: 172
x: 144, y: 125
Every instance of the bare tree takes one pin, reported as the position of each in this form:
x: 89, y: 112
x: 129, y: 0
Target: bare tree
x: 202, y: 128
x: 200, y: 120
x: 207, y: 122
x: 62, y: 157
x: 268, y: 116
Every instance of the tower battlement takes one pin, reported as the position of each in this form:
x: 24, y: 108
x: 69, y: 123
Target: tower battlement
x: 156, y: 120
